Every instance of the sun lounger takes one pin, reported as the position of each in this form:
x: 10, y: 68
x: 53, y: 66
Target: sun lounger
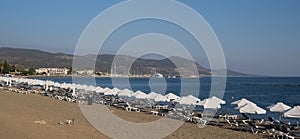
x: 129, y: 108
x: 227, y: 116
x: 279, y: 134
x: 154, y: 112
x: 234, y: 123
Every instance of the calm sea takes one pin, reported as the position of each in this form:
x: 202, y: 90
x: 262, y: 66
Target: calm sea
x: 263, y: 91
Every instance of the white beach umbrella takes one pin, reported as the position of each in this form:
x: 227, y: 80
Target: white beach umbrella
x: 141, y: 95
x: 110, y: 92
x: 116, y: 89
x: 91, y: 88
x: 64, y: 86
x: 152, y: 95
x: 211, y: 103
x: 216, y: 99
x: 125, y: 93
x: 79, y: 86
x: 251, y: 108
x: 160, y: 97
x: 50, y: 83
x: 188, y: 100
x: 279, y: 107
x: 171, y: 96
x: 106, y: 89
x: 56, y: 84
x: 293, y: 113
x: 99, y: 89
x: 241, y: 102
x: 126, y: 90
x: 137, y: 93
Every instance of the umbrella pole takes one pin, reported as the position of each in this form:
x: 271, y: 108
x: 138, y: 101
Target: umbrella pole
x: 280, y: 114
x: 249, y: 117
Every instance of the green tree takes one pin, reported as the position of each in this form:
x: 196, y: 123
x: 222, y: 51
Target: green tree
x: 70, y: 70
x: 6, y: 67
x: 13, y: 68
x: 31, y: 71
x: 23, y: 71
x: 1, y: 67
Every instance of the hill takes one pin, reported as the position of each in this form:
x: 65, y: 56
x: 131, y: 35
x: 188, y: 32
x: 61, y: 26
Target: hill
x: 31, y: 58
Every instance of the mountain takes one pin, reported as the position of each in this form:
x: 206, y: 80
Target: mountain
x: 30, y: 58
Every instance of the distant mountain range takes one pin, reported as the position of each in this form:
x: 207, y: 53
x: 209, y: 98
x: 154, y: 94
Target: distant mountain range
x: 28, y: 58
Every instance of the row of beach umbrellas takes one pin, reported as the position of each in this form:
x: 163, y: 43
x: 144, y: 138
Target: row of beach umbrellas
x: 243, y: 105
x: 210, y: 103
x: 248, y: 107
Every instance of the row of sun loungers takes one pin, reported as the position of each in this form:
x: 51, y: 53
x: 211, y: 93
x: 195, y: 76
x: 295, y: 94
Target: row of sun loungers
x: 270, y: 128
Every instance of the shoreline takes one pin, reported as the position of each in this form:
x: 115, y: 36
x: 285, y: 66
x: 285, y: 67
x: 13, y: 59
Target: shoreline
x: 70, y: 76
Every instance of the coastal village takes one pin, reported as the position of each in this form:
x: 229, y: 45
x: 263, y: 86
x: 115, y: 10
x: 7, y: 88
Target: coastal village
x: 11, y: 70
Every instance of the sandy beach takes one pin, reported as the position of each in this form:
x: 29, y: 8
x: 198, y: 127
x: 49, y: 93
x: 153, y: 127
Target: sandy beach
x: 34, y: 116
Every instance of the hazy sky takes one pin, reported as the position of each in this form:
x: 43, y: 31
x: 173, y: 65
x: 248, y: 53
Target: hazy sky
x: 258, y: 37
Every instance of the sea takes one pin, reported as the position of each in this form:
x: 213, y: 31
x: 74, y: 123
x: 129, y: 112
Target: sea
x: 264, y: 91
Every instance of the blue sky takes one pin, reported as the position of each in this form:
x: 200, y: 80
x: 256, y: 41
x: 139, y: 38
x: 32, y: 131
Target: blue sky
x: 258, y: 37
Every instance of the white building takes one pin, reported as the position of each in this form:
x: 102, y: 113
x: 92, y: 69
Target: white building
x: 85, y: 72
x: 52, y: 71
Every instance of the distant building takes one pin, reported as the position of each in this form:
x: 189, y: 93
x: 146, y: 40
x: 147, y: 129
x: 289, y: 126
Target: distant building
x: 52, y: 71
x: 157, y: 75
x: 85, y: 72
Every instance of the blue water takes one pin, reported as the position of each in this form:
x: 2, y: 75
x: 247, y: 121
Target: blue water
x: 263, y: 91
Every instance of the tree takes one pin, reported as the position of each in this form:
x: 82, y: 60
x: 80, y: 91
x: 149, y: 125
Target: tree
x: 31, y: 71
x: 23, y: 71
x: 13, y: 68
x: 1, y: 67
x: 70, y: 70
x: 6, y: 67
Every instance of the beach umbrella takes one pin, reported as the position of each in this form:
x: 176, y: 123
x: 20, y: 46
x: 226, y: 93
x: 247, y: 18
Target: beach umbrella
x: 251, y: 108
x: 99, y: 89
x: 56, y: 84
x: 141, y: 95
x: 211, y: 103
x: 116, y: 89
x: 106, y: 89
x: 241, y: 102
x: 152, y: 95
x: 137, y: 93
x: 160, y: 97
x: 91, y: 88
x: 125, y: 93
x: 171, y: 96
x: 125, y: 90
x: 279, y: 107
x: 110, y: 92
x: 293, y: 113
x: 217, y: 100
x: 188, y: 100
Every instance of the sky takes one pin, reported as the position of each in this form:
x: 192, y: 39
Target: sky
x: 257, y: 37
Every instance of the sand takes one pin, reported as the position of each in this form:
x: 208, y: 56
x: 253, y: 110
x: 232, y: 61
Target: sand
x: 34, y: 116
